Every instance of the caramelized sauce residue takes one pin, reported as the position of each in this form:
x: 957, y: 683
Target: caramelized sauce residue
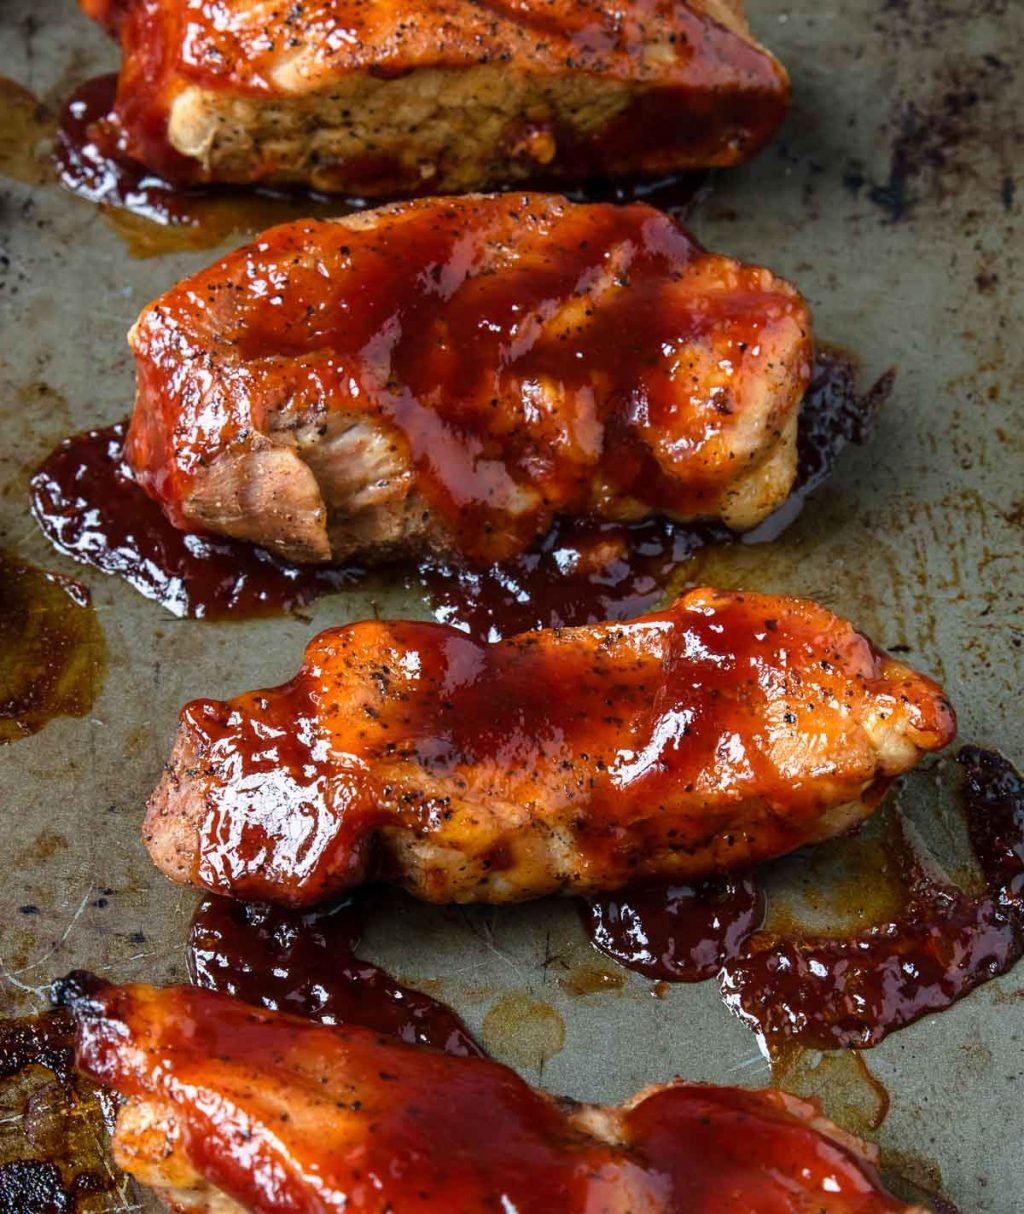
x: 51, y: 649
x: 25, y: 127
x: 52, y: 1160
x: 88, y: 506
x: 684, y: 933
x: 304, y: 963
x: 850, y: 991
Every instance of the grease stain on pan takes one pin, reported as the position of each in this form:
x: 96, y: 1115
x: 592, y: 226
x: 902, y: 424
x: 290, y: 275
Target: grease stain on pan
x: 52, y: 651
x: 523, y: 1032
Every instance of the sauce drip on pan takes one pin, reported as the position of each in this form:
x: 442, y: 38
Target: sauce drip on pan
x: 850, y: 991
x: 684, y: 933
x: 52, y: 1158
x: 51, y: 649
x: 88, y: 506
x: 305, y: 963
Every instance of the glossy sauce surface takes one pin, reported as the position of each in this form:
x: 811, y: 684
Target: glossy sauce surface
x: 853, y: 988
x: 375, y: 1125
x: 682, y: 933
x: 697, y: 740
x: 88, y: 505
x: 700, y: 94
x: 520, y: 355
x: 305, y: 964
x: 581, y: 572
x: 584, y: 571
x: 52, y: 653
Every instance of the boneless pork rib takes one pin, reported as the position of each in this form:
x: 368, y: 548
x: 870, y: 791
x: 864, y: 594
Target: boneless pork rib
x: 449, y: 375
x: 723, y: 731
x: 389, y: 97
x: 232, y: 1109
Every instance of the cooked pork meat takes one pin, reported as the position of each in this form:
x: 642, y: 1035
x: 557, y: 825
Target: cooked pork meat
x: 232, y: 1109
x: 723, y: 731
x: 385, y: 97
x: 451, y: 374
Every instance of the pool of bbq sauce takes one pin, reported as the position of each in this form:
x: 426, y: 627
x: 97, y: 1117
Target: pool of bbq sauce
x: 304, y: 962
x: 849, y: 990
x: 155, y: 217
x: 89, y: 507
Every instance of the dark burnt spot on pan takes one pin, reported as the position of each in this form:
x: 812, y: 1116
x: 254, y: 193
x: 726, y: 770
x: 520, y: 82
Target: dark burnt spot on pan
x: 52, y: 652
x: 953, y: 136
x: 52, y: 1154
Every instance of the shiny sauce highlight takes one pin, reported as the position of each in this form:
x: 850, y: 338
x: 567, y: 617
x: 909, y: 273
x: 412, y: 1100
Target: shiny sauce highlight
x: 305, y: 963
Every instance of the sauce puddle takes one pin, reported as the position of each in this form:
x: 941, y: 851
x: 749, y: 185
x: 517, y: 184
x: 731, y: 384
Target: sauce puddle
x: 846, y: 991
x: 88, y: 506
x: 305, y: 963
x: 51, y: 649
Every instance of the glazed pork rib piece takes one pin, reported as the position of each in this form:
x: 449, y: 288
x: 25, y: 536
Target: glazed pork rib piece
x: 389, y: 97
x: 448, y: 375
x: 232, y: 1109
x: 726, y: 730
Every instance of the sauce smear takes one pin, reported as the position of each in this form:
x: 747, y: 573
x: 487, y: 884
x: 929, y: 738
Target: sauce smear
x: 305, y: 963
x: 52, y: 1158
x: 849, y: 991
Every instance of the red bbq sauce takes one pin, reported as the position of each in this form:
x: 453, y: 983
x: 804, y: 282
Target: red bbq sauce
x: 418, y: 1129
x: 305, y: 964
x: 88, y: 505
x: 841, y: 992
x: 682, y: 933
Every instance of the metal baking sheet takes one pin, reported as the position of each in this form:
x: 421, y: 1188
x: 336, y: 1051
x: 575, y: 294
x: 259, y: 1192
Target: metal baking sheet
x: 892, y: 199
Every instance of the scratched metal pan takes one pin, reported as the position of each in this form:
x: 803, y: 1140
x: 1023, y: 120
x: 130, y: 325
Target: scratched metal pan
x: 891, y: 199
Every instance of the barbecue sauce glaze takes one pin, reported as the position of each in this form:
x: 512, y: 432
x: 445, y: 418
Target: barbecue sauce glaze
x: 88, y: 505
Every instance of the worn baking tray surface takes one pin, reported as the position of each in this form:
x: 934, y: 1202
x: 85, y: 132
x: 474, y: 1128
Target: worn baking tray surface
x: 891, y: 200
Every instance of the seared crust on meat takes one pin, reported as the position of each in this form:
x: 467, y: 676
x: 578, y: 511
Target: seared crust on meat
x: 386, y: 97
x: 230, y: 1108
x: 728, y: 729
x: 449, y: 375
